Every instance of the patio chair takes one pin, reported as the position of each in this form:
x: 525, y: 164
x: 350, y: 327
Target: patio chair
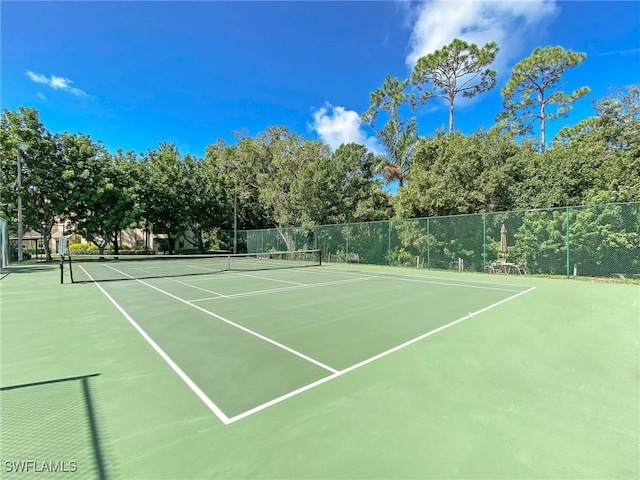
x: 520, y: 267
x: 497, y: 266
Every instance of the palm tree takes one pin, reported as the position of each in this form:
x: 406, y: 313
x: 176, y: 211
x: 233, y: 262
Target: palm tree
x: 400, y: 145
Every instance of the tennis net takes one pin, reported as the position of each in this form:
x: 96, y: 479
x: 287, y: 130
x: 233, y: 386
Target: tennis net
x: 102, y: 268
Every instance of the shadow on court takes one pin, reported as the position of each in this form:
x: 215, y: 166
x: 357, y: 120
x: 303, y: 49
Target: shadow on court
x: 31, y: 268
x: 53, y: 428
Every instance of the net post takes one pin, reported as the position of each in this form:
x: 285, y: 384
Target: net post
x: 62, y: 251
x: 319, y: 258
x: 70, y: 267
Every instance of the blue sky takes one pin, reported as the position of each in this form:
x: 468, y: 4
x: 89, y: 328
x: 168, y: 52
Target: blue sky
x: 136, y: 73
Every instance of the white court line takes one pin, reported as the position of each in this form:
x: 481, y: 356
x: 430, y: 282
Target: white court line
x: 205, y: 298
x: 285, y: 289
x: 184, y: 283
x: 371, y: 359
x: 399, y: 276
x: 272, y: 279
x: 244, y: 329
x: 335, y: 270
x: 220, y: 275
x: 416, y: 278
x: 190, y: 383
x: 208, y: 269
x: 220, y: 295
x: 402, y: 279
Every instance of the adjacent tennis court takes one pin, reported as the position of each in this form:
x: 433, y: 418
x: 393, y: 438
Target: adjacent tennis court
x: 276, y: 365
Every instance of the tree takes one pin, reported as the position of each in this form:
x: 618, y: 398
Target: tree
x: 104, y: 199
x: 398, y: 137
x: 555, y: 178
x: 362, y: 196
x: 389, y: 97
x: 607, y: 148
x: 400, y: 145
x: 456, y: 68
x: 340, y: 188
x: 205, y: 205
x: 241, y: 165
x: 163, y: 193
x: 44, y: 189
x: 289, y: 154
x: 534, y: 88
x: 459, y: 174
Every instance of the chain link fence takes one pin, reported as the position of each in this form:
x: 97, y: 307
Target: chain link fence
x: 596, y: 240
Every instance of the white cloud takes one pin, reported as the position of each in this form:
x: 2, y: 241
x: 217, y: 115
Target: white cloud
x: 57, y: 83
x: 507, y: 23
x: 337, y: 125
x: 41, y: 96
x: 628, y: 51
x: 36, y: 77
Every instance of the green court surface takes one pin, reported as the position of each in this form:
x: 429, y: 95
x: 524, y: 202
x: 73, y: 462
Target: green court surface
x: 333, y: 371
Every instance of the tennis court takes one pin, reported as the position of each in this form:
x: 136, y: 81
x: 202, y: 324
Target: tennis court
x: 245, y: 340
x: 264, y: 369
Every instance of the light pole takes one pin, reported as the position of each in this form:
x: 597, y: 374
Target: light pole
x: 235, y: 214
x: 19, y: 206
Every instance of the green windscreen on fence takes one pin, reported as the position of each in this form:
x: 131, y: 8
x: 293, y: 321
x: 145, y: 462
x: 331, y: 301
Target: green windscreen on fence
x: 595, y: 240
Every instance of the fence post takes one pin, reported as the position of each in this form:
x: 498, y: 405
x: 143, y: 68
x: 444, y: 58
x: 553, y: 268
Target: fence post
x: 347, y: 252
x: 484, y: 242
x: 428, y: 247
x: 389, y: 246
x: 567, y: 241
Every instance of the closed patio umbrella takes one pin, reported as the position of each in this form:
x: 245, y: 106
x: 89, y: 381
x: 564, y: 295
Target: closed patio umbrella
x: 503, y: 241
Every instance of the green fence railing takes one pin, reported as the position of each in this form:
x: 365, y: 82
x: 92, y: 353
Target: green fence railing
x: 589, y: 240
